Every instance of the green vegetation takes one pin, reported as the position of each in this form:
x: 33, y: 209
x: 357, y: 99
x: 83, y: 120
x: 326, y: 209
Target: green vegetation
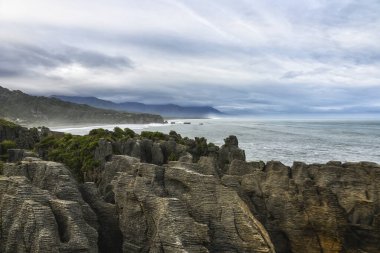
x: 116, y: 134
x: 177, y: 137
x: 1, y: 167
x: 7, y: 144
x: 201, y: 145
x: 156, y: 136
x: 7, y: 123
x: 78, y: 152
x: 129, y: 132
x: 172, y: 157
x: 4, y: 146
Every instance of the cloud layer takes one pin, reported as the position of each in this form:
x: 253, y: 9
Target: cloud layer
x: 240, y: 56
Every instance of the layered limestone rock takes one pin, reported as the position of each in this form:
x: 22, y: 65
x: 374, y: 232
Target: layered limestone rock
x: 228, y: 152
x: 176, y: 208
x: 41, y: 210
x: 110, y: 237
x: 331, y: 207
x: 215, y: 203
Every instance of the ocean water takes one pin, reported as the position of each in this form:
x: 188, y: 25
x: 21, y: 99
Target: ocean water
x: 310, y: 141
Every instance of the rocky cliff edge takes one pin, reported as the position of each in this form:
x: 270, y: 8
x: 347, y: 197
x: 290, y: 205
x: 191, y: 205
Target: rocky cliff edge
x: 217, y: 203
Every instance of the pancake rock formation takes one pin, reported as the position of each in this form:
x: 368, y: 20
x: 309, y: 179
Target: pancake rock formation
x: 144, y: 202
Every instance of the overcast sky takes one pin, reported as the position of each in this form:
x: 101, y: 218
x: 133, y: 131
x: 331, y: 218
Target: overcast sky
x: 239, y: 55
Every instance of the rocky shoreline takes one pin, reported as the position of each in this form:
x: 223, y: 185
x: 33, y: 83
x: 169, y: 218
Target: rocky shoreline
x: 162, y: 193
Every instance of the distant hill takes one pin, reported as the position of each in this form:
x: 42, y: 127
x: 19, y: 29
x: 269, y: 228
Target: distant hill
x: 33, y: 110
x: 166, y: 110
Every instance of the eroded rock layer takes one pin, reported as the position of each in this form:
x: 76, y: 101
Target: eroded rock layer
x: 216, y: 203
x: 41, y: 210
x: 177, y: 209
x: 331, y: 207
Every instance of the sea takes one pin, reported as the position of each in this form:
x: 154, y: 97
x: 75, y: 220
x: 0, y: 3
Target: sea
x: 310, y: 141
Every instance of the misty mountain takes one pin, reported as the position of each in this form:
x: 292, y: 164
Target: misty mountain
x: 38, y: 110
x: 166, y: 110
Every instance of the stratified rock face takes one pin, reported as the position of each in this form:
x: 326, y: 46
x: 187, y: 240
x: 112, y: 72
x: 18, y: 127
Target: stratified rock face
x: 228, y: 152
x: 15, y: 155
x: 110, y: 237
x: 313, y: 208
x: 175, y: 208
x: 103, y: 151
x: 41, y: 210
x: 220, y: 203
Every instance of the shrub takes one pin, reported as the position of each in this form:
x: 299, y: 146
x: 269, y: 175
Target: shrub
x: 7, y: 144
x: 212, y: 147
x: 114, y: 135
x: 201, y: 146
x: 129, y: 132
x: 99, y: 132
x: 76, y: 152
x: 153, y: 135
x: 177, y: 137
x: 118, y: 133
x: 172, y: 157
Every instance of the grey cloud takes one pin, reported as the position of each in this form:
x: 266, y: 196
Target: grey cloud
x: 160, y: 41
x: 182, y: 46
x: 95, y: 59
x: 179, y: 45
x: 9, y: 71
x: 295, y: 62
x: 291, y: 99
x: 292, y: 74
x: 20, y: 59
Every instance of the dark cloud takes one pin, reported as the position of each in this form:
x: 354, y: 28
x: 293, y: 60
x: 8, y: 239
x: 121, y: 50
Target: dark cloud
x: 21, y: 59
x: 6, y: 71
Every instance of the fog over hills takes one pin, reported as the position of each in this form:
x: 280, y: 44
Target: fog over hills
x: 38, y: 110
